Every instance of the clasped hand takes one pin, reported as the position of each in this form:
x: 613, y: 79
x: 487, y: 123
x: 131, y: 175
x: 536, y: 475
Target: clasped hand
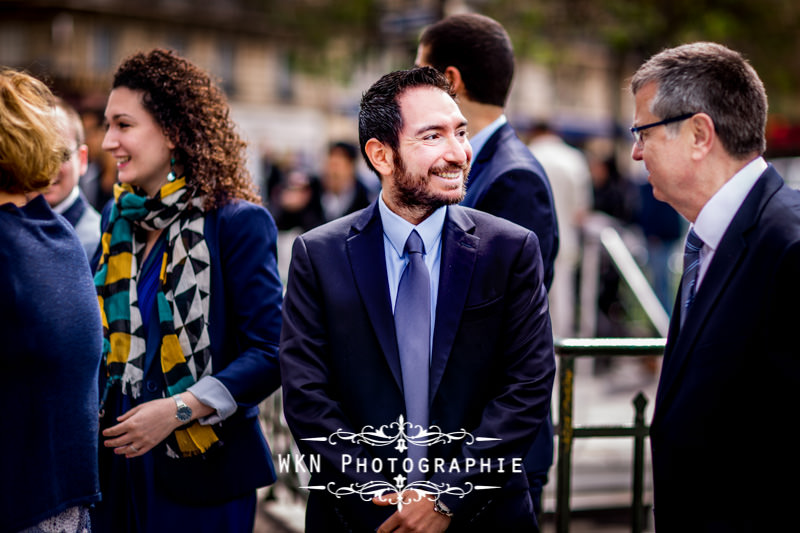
x: 416, y: 514
x: 142, y: 428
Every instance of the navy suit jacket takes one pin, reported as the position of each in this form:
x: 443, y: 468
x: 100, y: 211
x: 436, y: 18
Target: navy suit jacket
x: 730, y: 380
x: 491, y: 373
x: 507, y: 181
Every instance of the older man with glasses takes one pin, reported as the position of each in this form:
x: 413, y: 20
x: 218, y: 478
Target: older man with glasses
x: 731, y: 366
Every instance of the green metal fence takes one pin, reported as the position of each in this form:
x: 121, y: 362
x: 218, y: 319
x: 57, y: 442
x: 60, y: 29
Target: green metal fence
x: 567, y: 350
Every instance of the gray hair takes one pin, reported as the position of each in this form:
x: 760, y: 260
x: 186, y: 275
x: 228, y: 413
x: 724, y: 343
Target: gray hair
x: 713, y: 79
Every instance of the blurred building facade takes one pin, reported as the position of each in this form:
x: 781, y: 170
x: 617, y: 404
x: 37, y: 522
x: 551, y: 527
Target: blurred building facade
x: 75, y: 45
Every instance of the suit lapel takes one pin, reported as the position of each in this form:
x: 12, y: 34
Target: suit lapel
x: 727, y: 259
x: 459, y: 252
x: 368, y: 262
x: 74, y: 212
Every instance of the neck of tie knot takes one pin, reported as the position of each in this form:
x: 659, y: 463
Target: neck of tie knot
x: 414, y: 244
x: 693, y: 242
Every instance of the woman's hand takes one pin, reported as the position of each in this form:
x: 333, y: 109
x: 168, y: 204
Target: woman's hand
x: 143, y: 427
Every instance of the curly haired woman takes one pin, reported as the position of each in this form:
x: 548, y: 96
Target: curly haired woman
x: 190, y: 295
x: 49, y: 325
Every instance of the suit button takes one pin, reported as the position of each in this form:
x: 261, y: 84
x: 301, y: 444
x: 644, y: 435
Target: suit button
x: 151, y: 386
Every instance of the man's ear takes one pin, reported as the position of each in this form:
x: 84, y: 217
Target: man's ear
x: 380, y: 156
x: 453, y: 76
x: 703, y: 134
x: 83, y: 158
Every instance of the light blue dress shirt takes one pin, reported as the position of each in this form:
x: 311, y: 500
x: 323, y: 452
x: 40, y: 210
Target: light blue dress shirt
x: 395, y: 234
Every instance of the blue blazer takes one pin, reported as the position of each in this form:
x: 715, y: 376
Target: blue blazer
x: 730, y: 380
x: 244, y: 329
x: 491, y: 371
x: 507, y: 181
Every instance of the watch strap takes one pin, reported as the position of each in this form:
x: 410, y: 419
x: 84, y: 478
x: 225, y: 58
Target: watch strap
x: 441, y: 508
x: 183, y: 412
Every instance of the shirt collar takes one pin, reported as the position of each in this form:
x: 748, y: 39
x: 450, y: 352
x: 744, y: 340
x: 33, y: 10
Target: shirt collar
x: 67, y: 202
x: 479, y: 139
x: 715, y: 217
x: 397, y: 229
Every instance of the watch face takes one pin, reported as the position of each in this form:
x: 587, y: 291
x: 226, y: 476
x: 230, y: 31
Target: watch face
x: 184, y: 413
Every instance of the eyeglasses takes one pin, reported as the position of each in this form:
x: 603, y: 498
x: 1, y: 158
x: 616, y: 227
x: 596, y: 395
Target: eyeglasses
x: 636, y: 131
x: 66, y: 155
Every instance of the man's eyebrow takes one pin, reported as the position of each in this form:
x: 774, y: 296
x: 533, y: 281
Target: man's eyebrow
x: 438, y: 127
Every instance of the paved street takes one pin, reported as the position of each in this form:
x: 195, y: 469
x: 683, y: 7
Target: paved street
x: 601, y: 467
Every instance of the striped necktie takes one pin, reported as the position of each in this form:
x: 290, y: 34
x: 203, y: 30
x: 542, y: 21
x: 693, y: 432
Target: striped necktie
x: 691, y: 267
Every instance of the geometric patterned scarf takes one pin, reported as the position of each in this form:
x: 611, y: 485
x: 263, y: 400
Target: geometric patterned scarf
x: 182, y: 299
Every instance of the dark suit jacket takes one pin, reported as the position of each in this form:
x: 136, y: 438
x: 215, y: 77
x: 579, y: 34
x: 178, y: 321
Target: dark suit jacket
x: 491, y: 371
x: 86, y: 221
x: 507, y: 181
x: 730, y: 380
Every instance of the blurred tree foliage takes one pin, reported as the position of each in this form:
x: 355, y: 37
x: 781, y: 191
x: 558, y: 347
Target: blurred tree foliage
x: 331, y: 35
x: 322, y: 36
x: 767, y: 32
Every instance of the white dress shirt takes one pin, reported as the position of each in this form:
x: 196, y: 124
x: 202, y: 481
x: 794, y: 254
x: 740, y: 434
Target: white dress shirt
x: 717, y: 214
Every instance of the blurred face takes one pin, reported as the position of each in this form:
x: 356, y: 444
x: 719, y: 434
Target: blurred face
x: 339, y: 172
x: 72, y: 169
x: 68, y: 175
x: 422, y: 57
x: 137, y: 143
x: 431, y: 166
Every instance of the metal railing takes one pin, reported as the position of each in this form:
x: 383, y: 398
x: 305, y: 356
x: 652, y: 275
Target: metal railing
x: 567, y: 350
x: 603, y: 233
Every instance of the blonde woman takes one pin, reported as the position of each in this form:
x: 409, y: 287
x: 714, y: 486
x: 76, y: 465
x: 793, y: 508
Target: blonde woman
x: 49, y: 328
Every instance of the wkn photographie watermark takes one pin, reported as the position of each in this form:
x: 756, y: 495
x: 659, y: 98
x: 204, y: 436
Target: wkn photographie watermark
x: 400, y: 434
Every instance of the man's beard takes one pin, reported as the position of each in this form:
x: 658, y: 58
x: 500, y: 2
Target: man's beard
x: 413, y: 192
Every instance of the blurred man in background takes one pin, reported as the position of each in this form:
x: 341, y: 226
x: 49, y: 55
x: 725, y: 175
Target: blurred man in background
x: 342, y: 191
x: 64, y: 195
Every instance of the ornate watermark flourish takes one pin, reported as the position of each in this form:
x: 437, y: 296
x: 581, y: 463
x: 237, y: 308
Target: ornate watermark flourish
x: 400, y: 433
x: 413, y: 492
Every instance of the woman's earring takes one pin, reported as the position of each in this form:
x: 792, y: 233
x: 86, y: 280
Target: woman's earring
x: 171, y: 176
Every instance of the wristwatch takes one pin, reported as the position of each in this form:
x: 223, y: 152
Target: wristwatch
x: 184, y: 413
x: 441, y: 508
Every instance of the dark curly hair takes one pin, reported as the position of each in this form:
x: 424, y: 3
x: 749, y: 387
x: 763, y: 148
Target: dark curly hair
x: 194, y: 114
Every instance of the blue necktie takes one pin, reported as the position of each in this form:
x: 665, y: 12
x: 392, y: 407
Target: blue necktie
x: 691, y: 266
x: 412, y: 318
